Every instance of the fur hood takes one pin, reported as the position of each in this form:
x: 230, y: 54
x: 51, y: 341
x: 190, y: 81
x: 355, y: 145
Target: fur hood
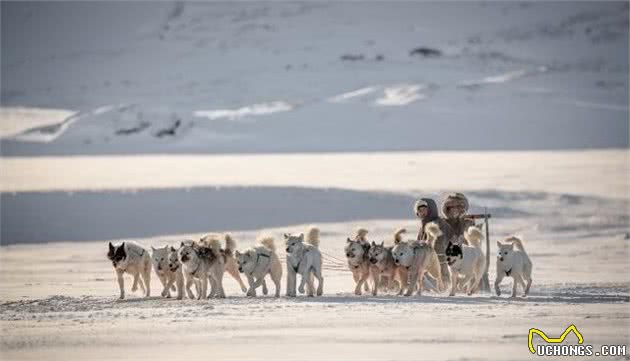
x: 433, y: 209
x: 454, y: 197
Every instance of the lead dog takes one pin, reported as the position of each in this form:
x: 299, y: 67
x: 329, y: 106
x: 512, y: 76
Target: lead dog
x: 418, y: 258
x: 513, y: 263
x: 258, y: 262
x: 358, y: 260
x: 465, y: 260
x: 161, y: 259
x: 304, y: 259
x: 383, y: 268
x: 131, y: 258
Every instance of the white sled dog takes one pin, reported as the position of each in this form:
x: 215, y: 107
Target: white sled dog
x: 418, y: 258
x: 258, y: 262
x: 513, y: 263
x: 356, y: 250
x: 467, y: 261
x: 304, y: 259
x: 383, y: 269
x: 131, y: 258
x: 168, y: 276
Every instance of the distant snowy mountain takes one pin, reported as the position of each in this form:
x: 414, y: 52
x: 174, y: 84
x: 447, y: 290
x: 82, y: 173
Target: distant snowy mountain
x: 283, y: 77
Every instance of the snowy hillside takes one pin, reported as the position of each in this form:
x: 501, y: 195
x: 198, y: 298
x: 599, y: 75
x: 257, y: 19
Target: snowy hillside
x: 282, y: 77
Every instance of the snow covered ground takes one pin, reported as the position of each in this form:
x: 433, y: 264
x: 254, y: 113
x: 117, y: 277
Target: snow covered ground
x: 157, y: 122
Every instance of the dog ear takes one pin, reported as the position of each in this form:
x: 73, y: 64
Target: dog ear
x: 397, y: 240
x: 152, y: 249
x: 301, y: 237
x: 382, y: 243
x: 348, y: 240
x: 173, y: 249
x: 237, y: 253
x: 286, y: 236
x: 111, y: 247
x: 499, y: 244
x: 182, y: 244
x: 373, y: 244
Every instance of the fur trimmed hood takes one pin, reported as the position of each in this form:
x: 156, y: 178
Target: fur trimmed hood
x: 431, y: 205
x: 453, y: 198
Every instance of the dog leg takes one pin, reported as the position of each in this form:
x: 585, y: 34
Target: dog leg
x: 251, y: 292
x: 179, y: 280
x: 359, y: 282
x: 189, y: 283
x: 213, y: 288
x: 497, y: 282
x: 529, y: 284
x: 519, y: 277
x: 203, y: 287
x: 134, y: 286
x: 376, y: 277
x: 218, y: 282
x: 310, y: 288
x: 320, y: 280
x: 291, y: 281
x: 421, y: 283
x: 121, y: 283
x: 264, y: 287
x: 146, y: 277
x: 276, y: 278
x: 454, y: 276
x: 166, y: 285
x: 514, y: 285
x: 412, y: 282
x: 467, y: 284
x: 304, y: 271
x: 232, y: 268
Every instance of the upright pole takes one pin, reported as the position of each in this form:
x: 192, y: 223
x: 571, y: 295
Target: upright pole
x: 485, y: 281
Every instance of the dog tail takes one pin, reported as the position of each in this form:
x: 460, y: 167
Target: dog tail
x: 312, y: 236
x: 434, y: 232
x: 361, y: 234
x: 267, y: 242
x: 517, y: 242
x: 230, y: 244
x: 398, y: 235
x: 473, y: 235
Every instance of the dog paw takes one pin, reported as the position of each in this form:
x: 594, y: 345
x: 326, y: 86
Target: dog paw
x: 451, y: 294
x: 357, y: 292
x: 301, y: 289
x: 122, y: 297
x: 244, y: 289
x: 251, y: 293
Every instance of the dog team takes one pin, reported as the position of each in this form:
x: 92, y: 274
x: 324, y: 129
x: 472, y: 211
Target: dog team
x: 199, y: 263
x: 446, y: 254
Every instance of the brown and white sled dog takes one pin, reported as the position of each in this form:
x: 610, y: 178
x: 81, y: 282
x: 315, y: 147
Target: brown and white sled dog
x: 131, y: 258
x: 230, y: 261
x: 418, y: 258
x: 383, y: 269
x: 205, y: 261
x: 513, y: 263
x: 258, y: 262
x: 305, y: 259
x: 466, y: 261
x: 356, y: 250
x: 168, y: 277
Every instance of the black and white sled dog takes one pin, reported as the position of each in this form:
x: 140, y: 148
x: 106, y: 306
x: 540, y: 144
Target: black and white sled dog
x: 258, y: 262
x: 168, y: 270
x: 305, y: 259
x: 467, y: 262
x: 356, y: 250
x: 131, y: 258
x: 513, y: 263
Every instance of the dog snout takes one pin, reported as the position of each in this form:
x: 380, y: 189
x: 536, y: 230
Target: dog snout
x: 373, y: 260
x: 348, y: 255
x: 396, y: 261
x: 185, y: 258
x: 159, y: 267
x: 240, y: 269
x: 501, y: 259
x: 287, y: 249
